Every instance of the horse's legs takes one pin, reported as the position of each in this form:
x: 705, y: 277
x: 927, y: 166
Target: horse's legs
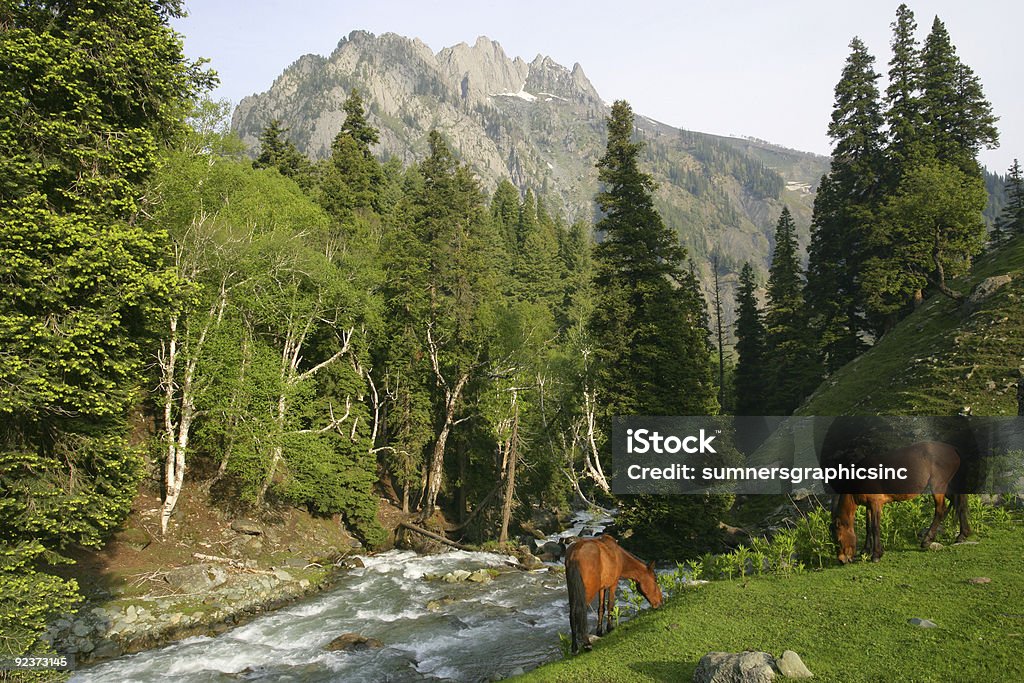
x: 940, y: 514
x: 600, y: 611
x: 875, y: 512
x: 611, y: 607
x: 961, y: 512
x: 868, y: 526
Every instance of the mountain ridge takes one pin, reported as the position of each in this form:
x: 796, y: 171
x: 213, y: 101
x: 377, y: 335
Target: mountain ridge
x: 542, y: 126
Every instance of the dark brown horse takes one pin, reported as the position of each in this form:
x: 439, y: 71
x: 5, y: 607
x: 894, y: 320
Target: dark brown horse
x: 930, y: 465
x: 593, y: 567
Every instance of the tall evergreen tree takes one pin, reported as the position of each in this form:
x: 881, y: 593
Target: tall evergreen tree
x: 903, y: 115
x: 650, y: 333
x: 89, y: 94
x: 1010, y: 222
x: 789, y: 340
x: 352, y: 179
x: 277, y: 151
x: 844, y: 208
x: 958, y: 119
x: 752, y: 365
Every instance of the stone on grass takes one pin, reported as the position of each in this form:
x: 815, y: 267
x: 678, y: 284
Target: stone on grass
x: 791, y: 666
x: 247, y: 526
x: 979, y: 580
x: 733, y: 667
x: 196, y: 578
x: 923, y: 623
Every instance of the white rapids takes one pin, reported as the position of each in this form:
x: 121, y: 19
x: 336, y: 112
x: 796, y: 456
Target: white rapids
x: 486, y: 632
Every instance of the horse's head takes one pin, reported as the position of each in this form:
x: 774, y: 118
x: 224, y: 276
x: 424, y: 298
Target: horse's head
x: 844, y: 513
x: 649, y: 587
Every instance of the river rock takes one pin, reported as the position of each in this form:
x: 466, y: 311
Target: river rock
x: 283, y: 575
x: 529, y: 561
x: 456, y: 576
x: 732, y: 667
x: 791, y: 666
x: 196, y: 578
x: 247, y: 526
x: 552, y: 549
x: 352, y: 641
x: 81, y: 629
x: 480, y: 576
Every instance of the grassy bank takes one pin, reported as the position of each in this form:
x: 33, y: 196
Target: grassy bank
x: 847, y: 623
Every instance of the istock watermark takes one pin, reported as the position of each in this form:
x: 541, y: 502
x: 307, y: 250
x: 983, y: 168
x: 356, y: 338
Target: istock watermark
x: 773, y: 455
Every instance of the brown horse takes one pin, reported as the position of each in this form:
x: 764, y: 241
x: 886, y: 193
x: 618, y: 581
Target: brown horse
x: 593, y: 567
x: 929, y: 464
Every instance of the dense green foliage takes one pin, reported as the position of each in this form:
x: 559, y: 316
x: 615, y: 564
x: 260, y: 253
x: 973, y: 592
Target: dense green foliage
x: 751, y: 375
x: 87, y: 96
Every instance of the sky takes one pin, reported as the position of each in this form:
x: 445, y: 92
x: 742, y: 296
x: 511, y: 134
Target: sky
x: 764, y: 69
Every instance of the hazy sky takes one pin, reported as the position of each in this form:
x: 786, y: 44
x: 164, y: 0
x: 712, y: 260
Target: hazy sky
x: 764, y: 69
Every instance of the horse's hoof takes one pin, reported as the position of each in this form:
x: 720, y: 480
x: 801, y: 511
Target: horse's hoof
x: 876, y: 559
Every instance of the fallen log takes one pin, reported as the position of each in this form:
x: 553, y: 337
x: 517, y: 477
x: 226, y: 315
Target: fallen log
x: 432, y: 535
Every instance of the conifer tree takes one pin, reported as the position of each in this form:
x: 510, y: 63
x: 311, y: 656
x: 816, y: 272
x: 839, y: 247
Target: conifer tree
x: 1010, y: 222
x: 276, y: 151
x: 906, y: 142
x: 650, y: 333
x: 844, y: 208
x: 958, y: 119
x: 790, y: 342
x: 352, y: 179
x: 752, y: 364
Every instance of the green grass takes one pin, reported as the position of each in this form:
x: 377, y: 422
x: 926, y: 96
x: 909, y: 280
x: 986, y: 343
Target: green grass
x: 938, y: 359
x: 847, y: 623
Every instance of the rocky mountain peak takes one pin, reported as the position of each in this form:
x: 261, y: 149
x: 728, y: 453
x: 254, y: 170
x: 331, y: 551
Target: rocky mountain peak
x: 481, y: 70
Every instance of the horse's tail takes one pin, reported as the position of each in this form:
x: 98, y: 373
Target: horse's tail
x: 577, y: 605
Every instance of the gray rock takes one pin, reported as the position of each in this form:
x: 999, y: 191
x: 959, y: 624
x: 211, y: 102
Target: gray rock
x: 480, y: 576
x: 923, y: 623
x: 283, y: 575
x: 81, y: 629
x: 791, y: 666
x: 196, y: 578
x: 730, y: 667
x: 352, y: 641
x: 131, y: 615
x: 553, y: 549
x: 247, y: 526
x: 456, y: 576
x: 985, y: 289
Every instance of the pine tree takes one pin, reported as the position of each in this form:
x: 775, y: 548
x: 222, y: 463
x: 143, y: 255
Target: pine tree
x: 650, y: 334
x: 906, y: 142
x: 752, y: 364
x: 789, y: 341
x: 843, y: 220
x: 352, y: 179
x: 1010, y: 222
x: 276, y: 151
x: 650, y: 324
x: 89, y: 95
x: 958, y: 119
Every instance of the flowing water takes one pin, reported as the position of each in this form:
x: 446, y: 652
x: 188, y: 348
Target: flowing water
x: 486, y: 631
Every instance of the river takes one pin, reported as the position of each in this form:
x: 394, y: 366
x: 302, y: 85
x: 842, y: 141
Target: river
x: 477, y: 632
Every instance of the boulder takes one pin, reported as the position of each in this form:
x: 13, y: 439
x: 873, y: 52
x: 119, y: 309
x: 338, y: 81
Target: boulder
x: 552, y: 549
x: 247, y: 526
x: 480, y: 576
x: 791, y: 666
x: 456, y: 576
x: 984, y: 290
x: 735, y: 667
x: 196, y: 578
x: 352, y: 641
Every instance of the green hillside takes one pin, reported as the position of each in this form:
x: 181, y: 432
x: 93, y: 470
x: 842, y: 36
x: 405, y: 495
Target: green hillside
x: 942, y: 358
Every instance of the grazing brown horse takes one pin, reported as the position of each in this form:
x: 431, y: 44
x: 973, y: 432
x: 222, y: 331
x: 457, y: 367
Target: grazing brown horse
x: 929, y: 464
x: 593, y: 567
